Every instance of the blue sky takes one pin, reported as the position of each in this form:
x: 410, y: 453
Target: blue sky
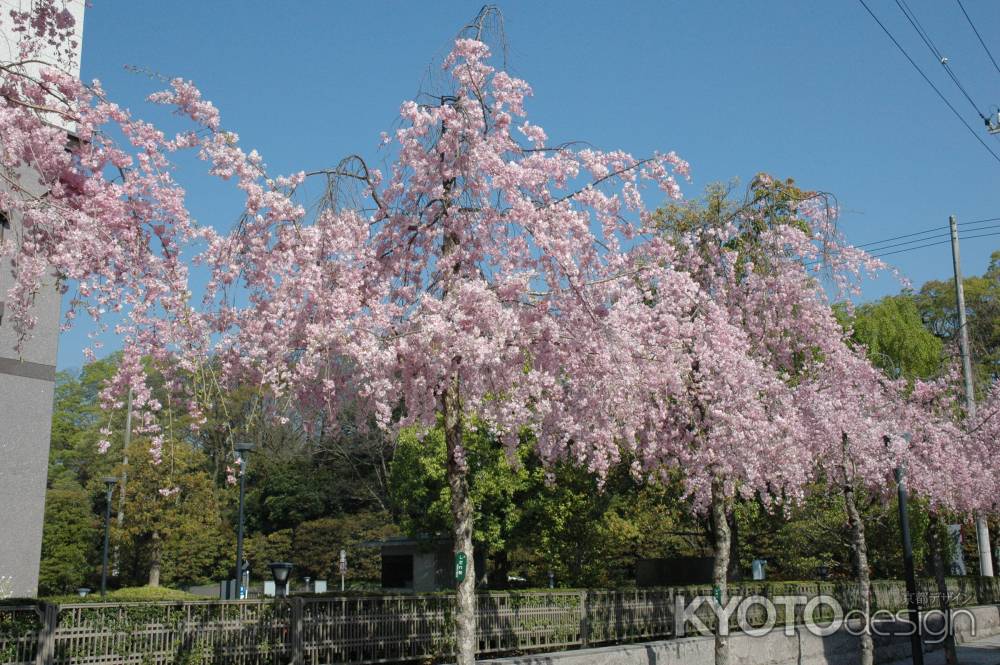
x: 811, y: 90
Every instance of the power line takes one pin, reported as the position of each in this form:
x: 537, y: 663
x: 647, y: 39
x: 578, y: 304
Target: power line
x: 941, y: 228
x: 932, y: 244
x: 983, y: 223
x: 910, y: 249
x: 936, y: 52
x: 981, y: 235
x: 929, y: 82
x: 909, y: 242
x: 915, y: 22
x: 979, y: 221
x: 905, y: 235
x: 973, y: 26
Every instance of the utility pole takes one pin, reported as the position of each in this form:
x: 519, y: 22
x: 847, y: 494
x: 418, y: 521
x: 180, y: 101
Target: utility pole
x: 982, y: 530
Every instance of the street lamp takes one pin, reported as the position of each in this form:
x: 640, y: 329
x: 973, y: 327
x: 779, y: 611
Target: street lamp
x: 110, y: 482
x: 280, y: 571
x: 242, y: 452
x: 916, y: 647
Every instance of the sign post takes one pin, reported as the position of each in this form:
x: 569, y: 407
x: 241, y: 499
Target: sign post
x: 343, y: 567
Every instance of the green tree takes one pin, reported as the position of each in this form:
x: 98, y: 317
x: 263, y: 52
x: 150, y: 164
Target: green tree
x: 421, y: 497
x: 286, y: 488
x: 173, y: 531
x: 77, y: 418
x: 184, y: 535
x: 936, y: 303
x: 532, y: 519
x: 893, y: 332
x: 262, y: 549
x: 317, y: 544
x: 69, y: 540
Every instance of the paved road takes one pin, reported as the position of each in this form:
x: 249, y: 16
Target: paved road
x: 980, y: 652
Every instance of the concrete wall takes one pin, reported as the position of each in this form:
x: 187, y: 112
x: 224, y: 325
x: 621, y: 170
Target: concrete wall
x: 776, y: 648
x: 26, y: 391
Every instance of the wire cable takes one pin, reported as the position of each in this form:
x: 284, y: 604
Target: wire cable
x: 979, y: 221
x: 932, y: 244
x: 905, y: 235
x: 980, y: 226
x: 936, y: 52
x: 992, y: 222
x: 988, y: 221
x: 973, y: 26
x: 981, y: 235
x: 910, y: 242
x: 929, y: 82
x: 910, y: 249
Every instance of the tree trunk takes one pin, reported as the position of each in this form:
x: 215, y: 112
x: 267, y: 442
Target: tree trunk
x: 935, y: 547
x: 860, y: 547
x: 720, y: 568
x: 461, y: 513
x: 458, y: 481
x: 864, y: 575
x: 155, y: 554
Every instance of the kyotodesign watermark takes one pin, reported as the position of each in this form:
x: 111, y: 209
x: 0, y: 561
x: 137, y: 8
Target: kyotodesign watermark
x: 821, y: 615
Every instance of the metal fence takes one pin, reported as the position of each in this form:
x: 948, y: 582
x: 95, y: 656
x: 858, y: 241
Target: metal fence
x: 382, y: 629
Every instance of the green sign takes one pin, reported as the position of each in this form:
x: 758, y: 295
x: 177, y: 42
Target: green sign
x: 717, y: 594
x: 461, y: 565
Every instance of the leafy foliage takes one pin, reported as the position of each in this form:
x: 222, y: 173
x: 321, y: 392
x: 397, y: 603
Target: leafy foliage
x: 317, y: 544
x: 128, y: 595
x: 895, y: 337
x: 936, y: 304
x: 68, y: 541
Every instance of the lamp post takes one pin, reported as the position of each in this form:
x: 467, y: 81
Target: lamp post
x: 916, y: 646
x: 242, y: 452
x: 109, y: 481
x: 280, y: 570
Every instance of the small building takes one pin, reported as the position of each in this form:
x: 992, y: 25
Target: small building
x: 28, y: 371
x: 675, y: 571
x: 420, y: 565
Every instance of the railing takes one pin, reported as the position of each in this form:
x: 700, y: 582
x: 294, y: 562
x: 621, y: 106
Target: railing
x: 385, y: 629
x: 20, y: 627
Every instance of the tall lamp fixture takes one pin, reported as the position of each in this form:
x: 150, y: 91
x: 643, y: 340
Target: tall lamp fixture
x: 110, y: 482
x: 916, y: 646
x: 242, y: 453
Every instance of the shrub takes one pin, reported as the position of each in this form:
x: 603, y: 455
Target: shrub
x: 127, y: 595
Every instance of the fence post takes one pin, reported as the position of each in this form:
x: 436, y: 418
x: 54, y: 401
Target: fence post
x: 584, y: 620
x: 295, y: 632
x: 46, y: 636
